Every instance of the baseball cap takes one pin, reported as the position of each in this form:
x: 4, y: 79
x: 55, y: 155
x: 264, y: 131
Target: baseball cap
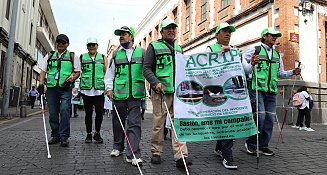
x: 125, y: 29
x: 62, y: 37
x: 166, y: 22
x: 271, y: 31
x: 225, y: 25
x: 92, y: 40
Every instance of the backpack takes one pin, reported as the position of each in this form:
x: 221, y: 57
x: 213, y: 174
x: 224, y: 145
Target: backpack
x: 297, y: 100
x: 310, y: 102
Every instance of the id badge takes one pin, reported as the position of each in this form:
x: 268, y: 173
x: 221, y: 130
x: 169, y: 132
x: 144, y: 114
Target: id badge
x: 56, y: 75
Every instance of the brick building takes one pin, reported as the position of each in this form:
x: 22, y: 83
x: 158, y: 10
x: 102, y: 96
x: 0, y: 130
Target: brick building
x: 303, y: 24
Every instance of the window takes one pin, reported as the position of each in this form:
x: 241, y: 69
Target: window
x: 188, y: 19
x: 8, y: 9
x: 31, y: 32
x: 203, y: 10
x: 175, y: 14
x: 225, y: 3
x: 2, y: 68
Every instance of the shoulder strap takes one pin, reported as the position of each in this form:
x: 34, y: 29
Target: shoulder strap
x: 72, y: 56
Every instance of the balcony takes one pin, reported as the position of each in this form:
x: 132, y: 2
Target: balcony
x: 42, y: 36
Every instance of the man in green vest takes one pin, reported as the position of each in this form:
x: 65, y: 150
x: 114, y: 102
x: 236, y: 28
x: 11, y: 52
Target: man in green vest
x: 60, y: 68
x: 125, y: 85
x: 159, y: 71
x: 94, y: 66
x: 266, y: 66
x: 223, y: 35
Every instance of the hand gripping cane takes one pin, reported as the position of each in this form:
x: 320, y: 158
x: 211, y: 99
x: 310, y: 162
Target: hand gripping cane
x: 129, y: 144
x: 176, y: 139
x: 45, y: 128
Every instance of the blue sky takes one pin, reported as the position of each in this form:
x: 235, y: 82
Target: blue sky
x: 80, y: 19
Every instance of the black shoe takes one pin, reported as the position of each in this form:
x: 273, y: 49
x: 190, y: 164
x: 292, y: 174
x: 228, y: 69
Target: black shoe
x: 156, y: 159
x: 97, y: 137
x: 54, y: 140
x: 228, y: 163
x: 76, y: 115
x: 180, y: 163
x: 64, y: 142
x: 88, y: 138
x: 266, y: 152
x: 250, y: 149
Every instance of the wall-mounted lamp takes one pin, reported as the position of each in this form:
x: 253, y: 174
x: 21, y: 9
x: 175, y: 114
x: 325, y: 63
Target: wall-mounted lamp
x: 305, y: 6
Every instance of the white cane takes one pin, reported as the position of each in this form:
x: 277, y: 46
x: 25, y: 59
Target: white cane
x: 176, y: 139
x: 129, y: 144
x: 257, y: 111
x: 45, y: 128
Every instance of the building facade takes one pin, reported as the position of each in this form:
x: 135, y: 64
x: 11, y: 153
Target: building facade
x: 303, y: 24
x: 34, y: 37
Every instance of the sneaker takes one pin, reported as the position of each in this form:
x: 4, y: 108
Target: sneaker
x: 54, y: 140
x: 267, y: 152
x: 310, y: 129
x: 64, y: 142
x: 218, y: 153
x: 97, y: 137
x: 303, y: 128
x: 296, y: 127
x: 228, y: 163
x: 250, y: 149
x: 88, y: 138
x: 135, y: 161
x: 156, y: 159
x: 180, y: 163
x: 115, y: 153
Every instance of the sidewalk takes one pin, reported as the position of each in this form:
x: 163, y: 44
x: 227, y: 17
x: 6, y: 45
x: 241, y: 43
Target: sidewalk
x: 14, y: 113
x: 23, y: 151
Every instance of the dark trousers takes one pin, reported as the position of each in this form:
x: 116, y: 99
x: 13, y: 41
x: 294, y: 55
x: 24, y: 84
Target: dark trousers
x: 225, y: 146
x: 98, y: 103
x: 306, y: 112
x: 32, y: 98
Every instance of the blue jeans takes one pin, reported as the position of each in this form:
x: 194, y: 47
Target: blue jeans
x: 267, y: 113
x: 59, y: 105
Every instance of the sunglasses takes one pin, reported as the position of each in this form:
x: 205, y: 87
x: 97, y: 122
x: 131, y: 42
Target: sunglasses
x: 61, y: 42
x: 91, y: 44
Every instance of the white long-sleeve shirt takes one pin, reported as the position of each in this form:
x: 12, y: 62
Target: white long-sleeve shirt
x: 247, y: 56
x: 110, y: 73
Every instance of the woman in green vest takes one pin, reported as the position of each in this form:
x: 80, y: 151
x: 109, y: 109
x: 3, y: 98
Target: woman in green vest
x: 94, y: 67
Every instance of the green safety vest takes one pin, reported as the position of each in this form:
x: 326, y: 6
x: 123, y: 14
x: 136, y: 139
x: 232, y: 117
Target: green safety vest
x: 267, y: 71
x: 165, y: 64
x: 59, y: 69
x: 92, y: 72
x: 129, y: 79
x: 217, y: 47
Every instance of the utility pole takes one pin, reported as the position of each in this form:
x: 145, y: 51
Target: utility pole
x: 9, y: 58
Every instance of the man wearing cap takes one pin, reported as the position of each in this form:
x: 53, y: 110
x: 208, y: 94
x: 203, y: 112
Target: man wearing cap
x: 125, y: 85
x: 266, y: 66
x: 62, y: 67
x: 223, y: 35
x: 92, y: 87
x: 159, y: 71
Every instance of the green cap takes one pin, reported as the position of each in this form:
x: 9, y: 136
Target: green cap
x: 166, y: 22
x: 125, y: 29
x: 225, y: 25
x: 271, y: 31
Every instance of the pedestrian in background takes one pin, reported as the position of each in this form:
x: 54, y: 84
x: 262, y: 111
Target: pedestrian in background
x: 125, y: 85
x: 266, y: 66
x: 92, y: 87
x: 156, y: 72
x: 61, y: 67
x: 32, y: 95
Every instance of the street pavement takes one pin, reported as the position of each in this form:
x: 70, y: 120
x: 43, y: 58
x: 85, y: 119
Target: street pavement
x: 23, y: 151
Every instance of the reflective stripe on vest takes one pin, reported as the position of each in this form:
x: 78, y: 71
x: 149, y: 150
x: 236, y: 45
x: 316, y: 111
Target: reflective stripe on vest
x: 165, y: 64
x: 267, y: 71
x: 92, y: 72
x: 129, y: 79
x: 59, y: 69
